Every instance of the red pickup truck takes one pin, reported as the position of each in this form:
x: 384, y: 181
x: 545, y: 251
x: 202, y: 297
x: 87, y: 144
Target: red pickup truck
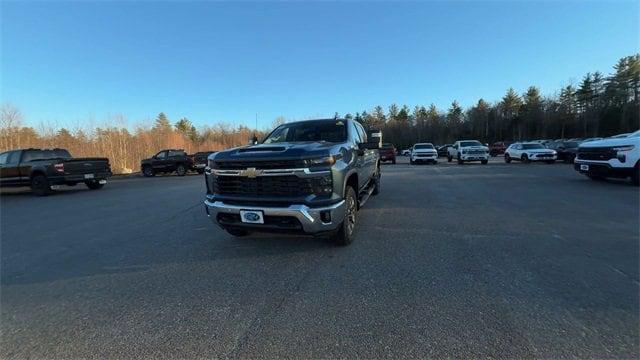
x: 387, y: 153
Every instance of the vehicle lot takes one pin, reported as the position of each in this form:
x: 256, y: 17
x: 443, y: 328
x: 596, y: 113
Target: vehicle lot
x: 518, y: 260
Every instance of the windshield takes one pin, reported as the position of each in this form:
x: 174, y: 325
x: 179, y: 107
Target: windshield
x: 635, y: 134
x: 470, y: 143
x: 423, y: 146
x: 387, y: 146
x: 329, y: 131
x: 532, y: 146
x: 571, y: 144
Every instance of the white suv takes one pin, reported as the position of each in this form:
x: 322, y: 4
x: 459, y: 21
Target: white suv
x: 530, y: 151
x: 616, y: 157
x: 468, y: 150
x: 423, y: 152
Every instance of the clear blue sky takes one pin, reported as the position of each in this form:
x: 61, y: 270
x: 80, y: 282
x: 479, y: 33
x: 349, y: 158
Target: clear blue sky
x: 224, y: 62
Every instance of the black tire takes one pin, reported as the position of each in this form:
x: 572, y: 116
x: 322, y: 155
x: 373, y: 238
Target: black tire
x: 411, y: 162
x: 345, y: 234
x: 40, y: 185
x: 93, y: 185
x: 181, y: 170
x: 484, y: 162
x: 394, y: 161
x: 449, y: 158
x: 237, y: 232
x: 460, y: 161
x: 147, y: 171
x: 635, y: 177
x: 507, y: 158
x: 524, y: 158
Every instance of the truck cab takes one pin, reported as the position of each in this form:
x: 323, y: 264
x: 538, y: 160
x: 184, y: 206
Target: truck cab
x: 308, y: 177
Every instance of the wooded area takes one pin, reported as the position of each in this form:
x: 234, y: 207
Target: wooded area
x: 599, y: 106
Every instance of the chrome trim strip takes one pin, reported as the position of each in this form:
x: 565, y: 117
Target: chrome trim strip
x: 300, y: 172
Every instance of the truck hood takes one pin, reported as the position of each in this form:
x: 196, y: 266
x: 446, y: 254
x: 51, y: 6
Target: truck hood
x: 279, y: 151
x: 611, y: 142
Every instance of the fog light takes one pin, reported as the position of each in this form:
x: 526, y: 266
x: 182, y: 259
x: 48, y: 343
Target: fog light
x: 622, y: 157
x: 325, y: 216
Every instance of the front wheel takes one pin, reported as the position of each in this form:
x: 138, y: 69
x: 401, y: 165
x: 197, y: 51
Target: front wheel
x: 411, y: 162
x: 147, y: 171
x: 40, y: 185
x: 460, y: 161
x: 181, y: 170
x: 93, y: 185
x: 345, y: 233
x: 507, y: 158
x: 449, y: 158
x: 635, y: 177
x: 525, y: 158
x: 485, y: 162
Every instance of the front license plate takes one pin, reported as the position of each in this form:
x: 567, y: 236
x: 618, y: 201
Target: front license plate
x: 584, y: 167
x: 102, y: 181
x: 252, y: 216
x: 88, y: 176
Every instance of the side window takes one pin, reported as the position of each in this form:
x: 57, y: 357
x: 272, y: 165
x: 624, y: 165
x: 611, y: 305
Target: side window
x: 13, y: 158
x: 3, y: 158
x: 161, y: 155
x: 361, y: 133
x: 32, y: 155
x: 176, y: 153
x: 355, y: 136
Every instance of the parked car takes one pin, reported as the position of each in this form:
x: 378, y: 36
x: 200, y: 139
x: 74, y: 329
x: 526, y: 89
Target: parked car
x: 306, y: 177
x: 387, y: 153
x: 443, y: 150
x: 566, y: 150
x: 468, y: 150
x: 43, y: 168
x: 423, y: 152
x: 200, y: 160
x: 498, y: 148
x: 406, y: 152
x: 167, y: 161
x: 617, y: 158
x: 531, y: 151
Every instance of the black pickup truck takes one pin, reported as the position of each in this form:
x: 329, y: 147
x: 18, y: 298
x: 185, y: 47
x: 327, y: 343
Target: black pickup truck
x: 306, y: 177
x: 167, y: 161
x: 42, y: 169
x: 200, y: 160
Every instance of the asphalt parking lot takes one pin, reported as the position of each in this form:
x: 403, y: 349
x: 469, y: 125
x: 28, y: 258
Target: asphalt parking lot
x: 507, y: 261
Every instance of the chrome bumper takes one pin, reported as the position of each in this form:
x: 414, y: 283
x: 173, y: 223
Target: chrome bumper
x: 309, y: 217
x: 476, y: 157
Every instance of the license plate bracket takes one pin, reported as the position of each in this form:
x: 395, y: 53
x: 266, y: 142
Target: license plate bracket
x: 252, y: 216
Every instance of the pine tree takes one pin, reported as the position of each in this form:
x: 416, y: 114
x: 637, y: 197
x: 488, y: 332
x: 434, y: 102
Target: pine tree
x: 162, y: 123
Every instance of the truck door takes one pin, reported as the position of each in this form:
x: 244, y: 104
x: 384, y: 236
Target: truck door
x: 159, y: 161
x: 369, y: 157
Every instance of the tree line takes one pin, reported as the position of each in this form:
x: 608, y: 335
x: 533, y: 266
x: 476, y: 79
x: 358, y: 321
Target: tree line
x: 599, y: 106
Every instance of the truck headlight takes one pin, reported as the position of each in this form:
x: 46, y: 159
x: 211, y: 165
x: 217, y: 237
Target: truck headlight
x: 322, y: 161
x: 623, y: 148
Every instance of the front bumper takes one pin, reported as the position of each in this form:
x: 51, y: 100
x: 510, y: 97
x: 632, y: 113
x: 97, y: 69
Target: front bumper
x: 474, y: 157
x: 310, y: 219
x: 602, y: 169
x: 543, y: 158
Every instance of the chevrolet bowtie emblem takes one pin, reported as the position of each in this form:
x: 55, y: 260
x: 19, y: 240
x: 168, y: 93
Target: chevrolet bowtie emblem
x: 250, y: 172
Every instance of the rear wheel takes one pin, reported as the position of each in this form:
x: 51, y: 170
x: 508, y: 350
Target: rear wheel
x: 40, y: 185
x: 237, y: 232
x: 345, y: 233
x: 147, y: 171
x: 93, y: 185
x: 507, y: 158
x: 181, y: 170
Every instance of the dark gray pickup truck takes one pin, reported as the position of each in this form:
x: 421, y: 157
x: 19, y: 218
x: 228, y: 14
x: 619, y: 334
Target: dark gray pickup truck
x: 307, y: 177
x: 41, y: 169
